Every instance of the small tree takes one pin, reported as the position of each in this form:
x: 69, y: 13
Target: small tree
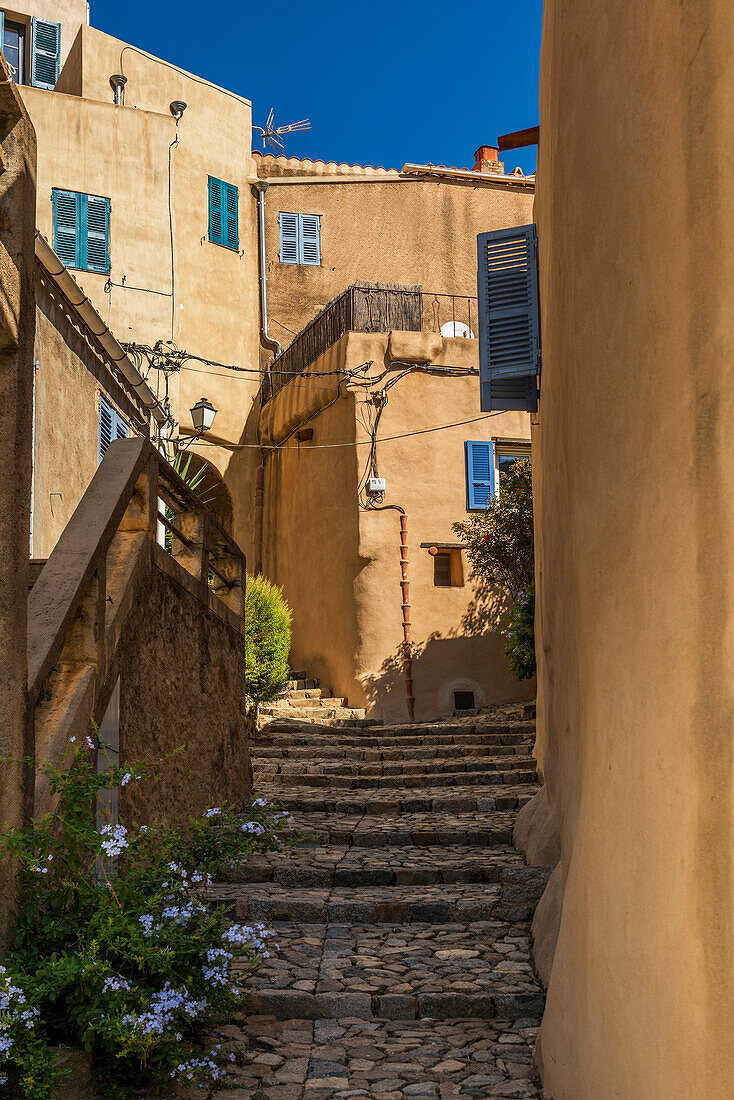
x: 500, y: 547
x: 267, y: 639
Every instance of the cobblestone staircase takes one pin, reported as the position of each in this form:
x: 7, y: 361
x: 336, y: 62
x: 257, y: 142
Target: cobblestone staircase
x: 304, y: 698
x: 404, y: 924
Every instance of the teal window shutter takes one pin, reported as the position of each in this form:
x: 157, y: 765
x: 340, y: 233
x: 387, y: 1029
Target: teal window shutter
x: 231, y: 234
x: 215, y: 210
x: 479, y: 474
x: 288, y: 225
x: 45, y: 53
x: 97, y: 235
x: 66, y: 226
x: 111, y: 426
x: 509, y: 319
x: 2, y: 30
x: 310, y: 240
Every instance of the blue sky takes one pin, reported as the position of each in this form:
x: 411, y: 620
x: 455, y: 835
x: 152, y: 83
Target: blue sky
x: 383, y: 82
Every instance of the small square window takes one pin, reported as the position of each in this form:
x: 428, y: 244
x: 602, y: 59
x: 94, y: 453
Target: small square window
x: 447, y: 569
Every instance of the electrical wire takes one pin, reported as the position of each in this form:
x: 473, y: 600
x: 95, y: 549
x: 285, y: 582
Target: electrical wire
x: 181, y: 72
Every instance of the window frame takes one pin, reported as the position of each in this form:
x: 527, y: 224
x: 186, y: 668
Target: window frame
x: 455, y: 566
x: 510, y: 449
x: 23, y: 41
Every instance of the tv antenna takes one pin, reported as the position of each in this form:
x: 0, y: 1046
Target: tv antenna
x: 273, y: 134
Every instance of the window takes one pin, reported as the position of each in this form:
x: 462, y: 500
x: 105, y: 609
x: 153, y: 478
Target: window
x: 300, y: 239
x: 13, y: 45
x: 507, y: 453
x: 45, y: 53
x: 223, y: 213
x: 111, y: 426
x: 479, y: 474
x: 447, y: 568
x: 464, y: 700
x: 82, y: 230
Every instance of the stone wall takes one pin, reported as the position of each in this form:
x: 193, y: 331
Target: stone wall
x: 182, y: 687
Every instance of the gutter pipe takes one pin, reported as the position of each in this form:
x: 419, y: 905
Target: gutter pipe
x: 73, y: 293
x: 266, y: 339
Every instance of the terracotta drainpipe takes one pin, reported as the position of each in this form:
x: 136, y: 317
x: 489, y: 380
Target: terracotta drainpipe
x: 407, y: 646
x: 259, y: 514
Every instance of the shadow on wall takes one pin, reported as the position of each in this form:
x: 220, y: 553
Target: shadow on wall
x: 484, y: 613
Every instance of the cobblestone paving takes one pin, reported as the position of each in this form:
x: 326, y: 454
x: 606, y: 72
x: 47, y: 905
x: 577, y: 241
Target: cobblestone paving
x: 402, y: 916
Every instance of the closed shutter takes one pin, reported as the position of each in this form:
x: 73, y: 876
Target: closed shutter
x: 479, y: 474
x: 97, y: 234
x: 509, y: 319
x: 215, y: 210
x: 66, y: 227
x: 231, y: 236
x: 111, y: 426
x: 288, y: 224
x: 45, y: 53
x: 310, y: 242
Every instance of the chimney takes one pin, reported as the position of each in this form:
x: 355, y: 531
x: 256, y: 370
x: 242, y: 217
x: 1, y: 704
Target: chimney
x: 486, y: 159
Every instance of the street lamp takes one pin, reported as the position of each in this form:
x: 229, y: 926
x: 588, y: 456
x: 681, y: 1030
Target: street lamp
x: 202, y: 415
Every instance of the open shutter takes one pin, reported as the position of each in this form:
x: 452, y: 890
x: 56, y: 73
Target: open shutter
x: 97, y: 233
x: 45, y: 53
x: 310, y: 242
x: 479, y: 474
x: 215, y: 210
x: 2, y: 30
x: 288, y: 224
x: 66, y: 226
x: 231, y: 236
x: 509, y: 319
x: 121, y: 429
x: 106, y: 427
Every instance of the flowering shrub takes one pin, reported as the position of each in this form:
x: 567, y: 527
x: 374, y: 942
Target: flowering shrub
x: 520, y: 636
x: 500, y: 547
x: 116, y: 949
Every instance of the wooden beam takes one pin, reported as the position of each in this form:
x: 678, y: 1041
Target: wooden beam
x: 519, y: 139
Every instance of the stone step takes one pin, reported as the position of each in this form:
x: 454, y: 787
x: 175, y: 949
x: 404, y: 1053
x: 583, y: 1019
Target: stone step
x: 292, y: 695
x: 338, y: 865
x: 506, y: 791
x: 444, y: 903
x: 437, y: 753
x: 413, y: 734
x: 373, y: 740
x: 300, y: 685
x: 480, y: 830
x: 441, y: 776
x: 297, y: 673
x: 424, y: 1058
x: 304, y: 708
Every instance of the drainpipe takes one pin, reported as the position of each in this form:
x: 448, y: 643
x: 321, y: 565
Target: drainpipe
x: 267, y: 341
x: 259, y: 514
x: 405, y: 585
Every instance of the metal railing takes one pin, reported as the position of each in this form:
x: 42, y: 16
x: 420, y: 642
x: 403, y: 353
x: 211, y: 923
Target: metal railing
x: 371, y: 307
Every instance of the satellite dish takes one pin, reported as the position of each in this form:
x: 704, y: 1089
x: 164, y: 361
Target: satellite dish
x: 457, y: 328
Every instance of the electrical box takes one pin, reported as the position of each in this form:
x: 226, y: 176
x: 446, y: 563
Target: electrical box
x: 376, y: 485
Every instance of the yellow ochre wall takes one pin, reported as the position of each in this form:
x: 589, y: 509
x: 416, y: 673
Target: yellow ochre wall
x: 88, y: 144
x: 635, y: 535
x: 340, y: 566
x: 396, y: 230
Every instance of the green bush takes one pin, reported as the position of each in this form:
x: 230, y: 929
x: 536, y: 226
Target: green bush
x: 500, y: 546
x: 267, y: 639
x: 117, y: 948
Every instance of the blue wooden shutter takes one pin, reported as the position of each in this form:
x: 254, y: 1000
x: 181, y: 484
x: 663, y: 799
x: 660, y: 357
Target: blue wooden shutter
x: 479, y: 474
x: 2, y: 30
x: 66, y: 226
x: 95, y: 242
x: 45, y: 53
x: 111, y: 426
x: 310, y: 240
x: 288, y: 224
x: 231, y: 236
x: 216, y: 220
x: 509, y: 319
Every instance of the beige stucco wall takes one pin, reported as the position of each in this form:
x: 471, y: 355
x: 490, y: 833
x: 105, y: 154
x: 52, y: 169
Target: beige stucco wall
x: 340, y: 566
x: 635, y: 515
x: 399, y: 230
x: 70, y: 376
x: 88, y: 144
